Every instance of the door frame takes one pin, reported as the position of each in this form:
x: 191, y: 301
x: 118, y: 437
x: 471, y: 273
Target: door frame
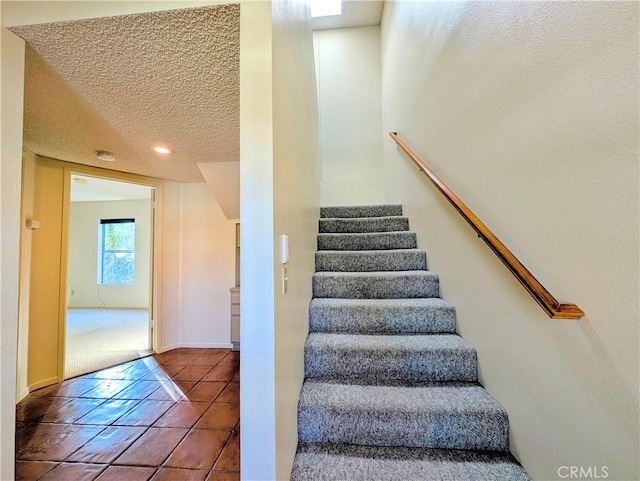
x: 155, y: 324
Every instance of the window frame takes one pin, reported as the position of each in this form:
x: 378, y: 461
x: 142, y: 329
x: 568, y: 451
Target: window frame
x: 102, y: 251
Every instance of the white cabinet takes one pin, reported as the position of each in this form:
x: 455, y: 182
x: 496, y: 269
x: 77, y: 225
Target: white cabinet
x: 235, y: 317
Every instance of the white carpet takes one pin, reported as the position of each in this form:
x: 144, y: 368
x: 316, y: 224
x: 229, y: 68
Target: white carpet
x: 99, y: 338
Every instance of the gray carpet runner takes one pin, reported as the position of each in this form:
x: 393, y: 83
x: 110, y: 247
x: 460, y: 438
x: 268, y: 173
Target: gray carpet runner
x: 391, y: 391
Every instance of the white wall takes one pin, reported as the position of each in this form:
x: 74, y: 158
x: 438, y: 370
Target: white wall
x: 257, y: 368
x: 208, y: 269
x: 279, y: 194
x: 170, y: 266
x: 529, y: 111
x: 12, y: 81
x: 198, y: 269
x: 349, y: 98
x: 84, y: 222
x: 296, y: 200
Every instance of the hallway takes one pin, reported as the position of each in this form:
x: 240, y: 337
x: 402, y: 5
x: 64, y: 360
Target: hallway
x: 172, y: 416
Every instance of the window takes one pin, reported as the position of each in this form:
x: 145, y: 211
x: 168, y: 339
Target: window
x: 117, y: 245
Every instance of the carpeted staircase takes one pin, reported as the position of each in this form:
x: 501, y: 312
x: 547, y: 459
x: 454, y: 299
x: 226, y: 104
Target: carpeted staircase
x: 391, y: 391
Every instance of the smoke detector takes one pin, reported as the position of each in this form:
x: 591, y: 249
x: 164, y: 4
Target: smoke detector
x: 105, y: 155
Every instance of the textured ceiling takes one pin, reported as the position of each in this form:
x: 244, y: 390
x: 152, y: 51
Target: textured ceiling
x: 355, y: 13
x: 125, y: 83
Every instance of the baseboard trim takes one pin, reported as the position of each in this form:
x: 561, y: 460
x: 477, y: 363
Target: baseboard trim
x: 196, y: 345
x: 44, y: 383
x: 22, y: 394
x: 208, y: 345
x: 162, y: 349
x: 109, y: 308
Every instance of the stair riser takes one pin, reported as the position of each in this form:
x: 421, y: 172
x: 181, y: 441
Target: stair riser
x: 373, y: 224
x: 404, y: 260
x: 369, y: 463
x: 402, y: 287
x: 361, y: 242
x: 361, y: 211
x: 391, y: 365
x: 382, y: 320
x: 448, y: 430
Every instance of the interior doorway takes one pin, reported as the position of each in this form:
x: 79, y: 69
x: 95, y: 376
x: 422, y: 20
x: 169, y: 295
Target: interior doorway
x: 109, y: 273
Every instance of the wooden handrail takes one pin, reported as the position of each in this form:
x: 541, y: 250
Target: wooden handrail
x: 549, y: 304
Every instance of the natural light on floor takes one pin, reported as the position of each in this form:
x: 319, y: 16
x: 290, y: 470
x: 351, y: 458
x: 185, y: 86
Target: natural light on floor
x: 98, y: 338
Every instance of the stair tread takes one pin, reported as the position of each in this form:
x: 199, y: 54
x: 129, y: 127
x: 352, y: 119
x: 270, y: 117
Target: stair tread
x: 452, y: 415
x: 339, y: 462
x: 397, y: 344
x: 371, y: 260
x: 430, y: 357
x: 364, y: 219
x: 425, y: 302
x: 363, y: 224
x: 399, y: 396
x: 376, y: 284
x: 384, y: 316
x: 391, y: 274
x: 367, y: 240
x: 369, y: 251
x: 348, y: 211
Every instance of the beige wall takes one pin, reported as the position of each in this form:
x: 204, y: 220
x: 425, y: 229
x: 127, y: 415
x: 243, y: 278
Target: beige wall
x: 84, y: 221
x: 279, y: 194
x: 26, y: 238
x: 349, y: 101
x: 529, y: 111
x: 12, y: 82
x: 44, y: 284
x: 296, y: 187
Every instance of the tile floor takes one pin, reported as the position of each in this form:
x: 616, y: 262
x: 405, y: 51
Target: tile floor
x: 169, y: 417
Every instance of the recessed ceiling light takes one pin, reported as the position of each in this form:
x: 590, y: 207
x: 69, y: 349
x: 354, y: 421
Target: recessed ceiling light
x: 162, y: 149
x: 105, y: 155
x: 80, y: 180
x: 326, y: 8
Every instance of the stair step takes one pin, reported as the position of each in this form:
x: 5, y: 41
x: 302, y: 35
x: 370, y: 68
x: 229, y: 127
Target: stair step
x: 430, y: 415
x: 339, y: 462
x: 384, y: 316
x: 376, y: 285
x: 367, y: 261
x: 367, y: 241
x: 364, y: 224
x: 361, y: 211
x: 390, y: 358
